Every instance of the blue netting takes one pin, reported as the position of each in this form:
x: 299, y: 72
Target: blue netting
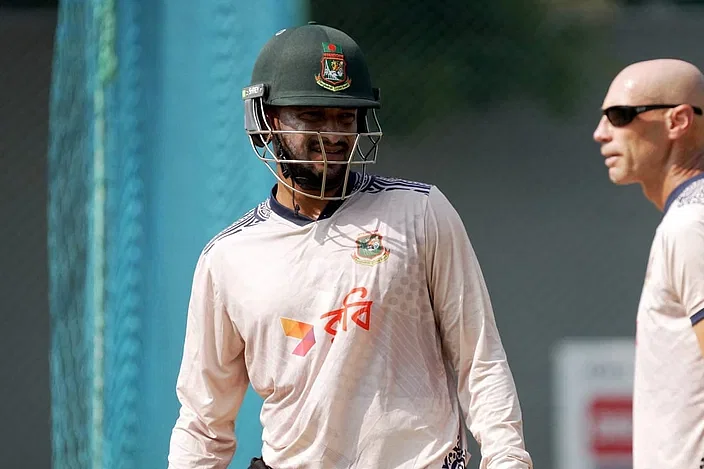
x: 70, y: 187
x: 125, y: 247
x: 95, y: 199
x: 99, y: 254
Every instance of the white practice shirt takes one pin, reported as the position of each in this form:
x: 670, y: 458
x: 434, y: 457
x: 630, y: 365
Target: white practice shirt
x: 668, y: 401
x: 347, y: 327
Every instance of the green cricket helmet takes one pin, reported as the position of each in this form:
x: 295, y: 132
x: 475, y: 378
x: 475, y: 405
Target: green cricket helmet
x: 317, y: 66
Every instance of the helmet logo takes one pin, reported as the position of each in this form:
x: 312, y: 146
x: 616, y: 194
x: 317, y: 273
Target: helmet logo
x: 333, y: 69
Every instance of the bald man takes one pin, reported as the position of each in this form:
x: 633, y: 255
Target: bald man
x: 652, y: 133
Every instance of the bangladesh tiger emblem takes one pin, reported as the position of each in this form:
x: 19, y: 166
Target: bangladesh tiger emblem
x: 370, y: 249
x: 333, y: 69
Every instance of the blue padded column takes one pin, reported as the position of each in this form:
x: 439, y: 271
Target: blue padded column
x: 199, y: 176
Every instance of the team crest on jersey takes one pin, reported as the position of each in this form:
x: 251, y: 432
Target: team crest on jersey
x: 333, y: 69
x: 370, y: 249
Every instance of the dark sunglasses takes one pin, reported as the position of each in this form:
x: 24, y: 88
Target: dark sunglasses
x: 624, y: 115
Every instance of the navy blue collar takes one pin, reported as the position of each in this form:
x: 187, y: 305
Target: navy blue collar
x: 679, y: 189
x: 297, y: 218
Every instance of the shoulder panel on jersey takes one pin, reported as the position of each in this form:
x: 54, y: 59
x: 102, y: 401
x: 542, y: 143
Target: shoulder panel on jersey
x: 258, y: 214
x: 375, y: 184
x: 693, y: 194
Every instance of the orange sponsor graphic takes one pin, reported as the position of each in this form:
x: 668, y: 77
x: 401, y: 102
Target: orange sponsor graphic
x: 299, y: 330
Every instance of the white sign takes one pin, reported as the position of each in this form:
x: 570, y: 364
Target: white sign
x: 593, y: 386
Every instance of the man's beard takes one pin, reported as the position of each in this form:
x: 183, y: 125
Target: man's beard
x: 305, y: 176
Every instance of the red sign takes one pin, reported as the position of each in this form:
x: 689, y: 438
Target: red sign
x: 611, y: 426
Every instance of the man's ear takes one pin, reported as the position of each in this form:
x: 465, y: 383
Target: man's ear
x: 680, y: 121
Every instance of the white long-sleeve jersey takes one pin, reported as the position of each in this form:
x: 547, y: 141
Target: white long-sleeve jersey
x: 668, y: 395
x: 368, y: 333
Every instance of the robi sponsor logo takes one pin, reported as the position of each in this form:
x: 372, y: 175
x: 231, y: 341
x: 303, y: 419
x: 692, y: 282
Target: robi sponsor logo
x: 355, y: 309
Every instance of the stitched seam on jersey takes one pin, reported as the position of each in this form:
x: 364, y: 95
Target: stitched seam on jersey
x: 697, y: 317
x: 260, y: 213
x: 218, y: 297
x: 425, y: 255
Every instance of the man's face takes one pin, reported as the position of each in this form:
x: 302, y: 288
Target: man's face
x: 635, y: 152
x: 314, y: 148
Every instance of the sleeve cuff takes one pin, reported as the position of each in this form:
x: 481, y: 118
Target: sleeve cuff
x: 697, y: 317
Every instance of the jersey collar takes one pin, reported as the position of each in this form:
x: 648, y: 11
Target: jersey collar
x: 679, y: 189
x: 328, y: 211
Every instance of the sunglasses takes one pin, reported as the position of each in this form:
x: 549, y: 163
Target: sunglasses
x: 620, y: 116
